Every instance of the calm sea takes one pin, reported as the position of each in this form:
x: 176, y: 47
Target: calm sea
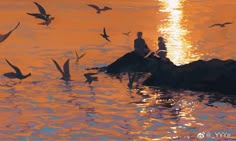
x: 42, y: 107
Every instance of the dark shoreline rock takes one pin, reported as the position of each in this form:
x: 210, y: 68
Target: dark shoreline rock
x: 210, y: 76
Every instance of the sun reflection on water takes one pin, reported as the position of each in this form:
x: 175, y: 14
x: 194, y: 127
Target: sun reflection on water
x: 180, y: 50
x: 159, y: 109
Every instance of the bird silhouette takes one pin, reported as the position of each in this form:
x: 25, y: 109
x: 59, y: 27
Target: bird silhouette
x: 131, y: 79
x: 220, y: 25
x: 5, y: 36
x: 90, y: 78
x: 66, y: 70
x: 17, y: 74
x: 104, y: 35
x: 42, y: 15
x: 78, y: 57
x: 127, y: 33
x: 99, y: 10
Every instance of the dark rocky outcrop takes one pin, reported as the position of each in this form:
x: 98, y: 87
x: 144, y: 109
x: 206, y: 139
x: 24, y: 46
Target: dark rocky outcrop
x: 130, y: 62
x: 213, y: 76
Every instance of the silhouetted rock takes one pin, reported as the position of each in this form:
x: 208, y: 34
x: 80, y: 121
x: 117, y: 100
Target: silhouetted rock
x: 213, y: 76
x: 130, y: 62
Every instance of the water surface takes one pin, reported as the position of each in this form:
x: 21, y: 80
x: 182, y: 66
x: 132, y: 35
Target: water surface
x: 43, y: 107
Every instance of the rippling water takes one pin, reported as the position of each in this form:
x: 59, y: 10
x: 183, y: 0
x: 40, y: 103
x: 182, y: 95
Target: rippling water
x: 42, y: 107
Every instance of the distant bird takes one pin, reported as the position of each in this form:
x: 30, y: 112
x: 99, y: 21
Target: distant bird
x: 127, y: 33
x: 90, y: 78
x: 99, y: 10
x: 42, y: 15
x: 66, y: 70
x: 5, y: 36
x: 17, y: 74
x: 131, y: 79
x: 78, y: 57
x: 220, y: 25
x: 104, y: 35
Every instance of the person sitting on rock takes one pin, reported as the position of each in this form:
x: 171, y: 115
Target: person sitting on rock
x: 140, y: 47
x: 162, y: 50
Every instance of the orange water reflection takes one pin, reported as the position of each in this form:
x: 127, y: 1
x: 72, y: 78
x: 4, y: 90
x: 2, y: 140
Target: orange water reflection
x: 44, y: 108
x: 180, y: 50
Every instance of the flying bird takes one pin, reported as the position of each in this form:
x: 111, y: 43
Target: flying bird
x: 42, y: 15
x: 90, y: 78
x: 127, y: 33
x: 131, y: 80
x: 17, y: 74
x: 66, y: 70
x: 5, y: 36
x: 99, y: 10
x: 78, y: 57
x: 221, y: 25
x: 104, y: 35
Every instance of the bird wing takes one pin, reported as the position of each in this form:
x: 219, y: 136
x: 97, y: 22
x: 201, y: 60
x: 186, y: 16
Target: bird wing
x: 14, y: 67
x: 215, y: 25
x: 58, y: 67
x: 89, y: 77
x: 126, y: 33
x: 4, y: 37
x: 41, y: 9
x: 77, y: 56
x: 81, y: 56
x: 107, y: 8
x: 228, y: 22
x: 66, y: 68
x: 39, y: 16
x: 89, y: 74
x: 94, y: 6
x: 15, y: 27
x: 108, y: 39
x: 104, y: 31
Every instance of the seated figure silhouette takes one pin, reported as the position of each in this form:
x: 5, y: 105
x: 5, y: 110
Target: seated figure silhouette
x: 162, y: 50
x: 140, y: 47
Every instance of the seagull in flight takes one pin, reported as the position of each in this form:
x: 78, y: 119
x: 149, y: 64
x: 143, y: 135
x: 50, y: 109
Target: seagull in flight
x: 78, y: 57
x: 105, y: 8
x: 17, y: 74
x: 104, y: 35
x: 5, y: 36
x: 66, y: 70
x: 42, y: 15
x: 90, y: 78
x: 221, y: 25
x: 127, y: 33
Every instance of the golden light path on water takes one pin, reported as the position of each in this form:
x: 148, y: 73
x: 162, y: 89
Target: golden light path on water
x: 180, y: 50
